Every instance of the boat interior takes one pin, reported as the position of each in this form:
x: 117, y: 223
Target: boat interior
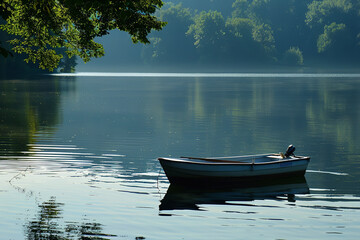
x: 262, y: 158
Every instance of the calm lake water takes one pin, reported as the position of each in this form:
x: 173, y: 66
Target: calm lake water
x: 78, y: 155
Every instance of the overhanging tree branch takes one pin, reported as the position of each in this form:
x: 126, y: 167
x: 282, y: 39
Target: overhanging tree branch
x: 43, y: 26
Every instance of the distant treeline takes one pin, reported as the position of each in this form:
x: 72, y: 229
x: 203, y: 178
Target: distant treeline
x: 288, y: 32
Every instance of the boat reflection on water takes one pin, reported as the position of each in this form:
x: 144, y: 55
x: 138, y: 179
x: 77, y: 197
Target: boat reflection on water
x: 180, y: 197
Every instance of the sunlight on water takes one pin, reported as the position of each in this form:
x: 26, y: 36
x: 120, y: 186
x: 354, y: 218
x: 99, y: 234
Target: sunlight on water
x: 326, y: 172
x: 67, y: 169
x: 70, y: 168
x: 211, y: 75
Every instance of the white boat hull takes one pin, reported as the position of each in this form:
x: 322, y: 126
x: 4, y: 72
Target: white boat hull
x: 187, y: 170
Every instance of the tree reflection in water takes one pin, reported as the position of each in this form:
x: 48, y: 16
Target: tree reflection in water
x: 46, y: 226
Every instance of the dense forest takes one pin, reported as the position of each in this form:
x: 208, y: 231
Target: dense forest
x: 230, y: 34
x: 238, y: 34
x: 286, y: 32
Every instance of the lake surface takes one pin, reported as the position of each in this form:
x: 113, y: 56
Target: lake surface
x: 78, y: 155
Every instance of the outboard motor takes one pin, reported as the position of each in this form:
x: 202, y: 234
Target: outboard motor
x: 290, y: 151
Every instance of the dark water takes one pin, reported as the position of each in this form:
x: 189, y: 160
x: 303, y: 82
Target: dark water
x: 78, y: 155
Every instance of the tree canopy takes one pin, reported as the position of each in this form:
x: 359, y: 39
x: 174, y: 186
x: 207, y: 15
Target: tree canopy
x: 41, y: 27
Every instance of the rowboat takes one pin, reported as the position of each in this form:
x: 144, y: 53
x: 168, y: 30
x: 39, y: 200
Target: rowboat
x: 194, y: 170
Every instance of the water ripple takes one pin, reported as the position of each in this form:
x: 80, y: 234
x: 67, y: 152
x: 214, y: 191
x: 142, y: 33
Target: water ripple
x: 327, y: 172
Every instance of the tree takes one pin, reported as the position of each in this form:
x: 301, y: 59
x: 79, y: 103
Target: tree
x: 243, y: 48
x: 240, y: 27
x: 172, y: 45
x: 293, y: 56
x: 208, y: 31
x: 335, y: 25
x: 323, y: 12
x: 331, y: 32
x: 262, y: 33
x: 286, y: 19
x: 41, y: 27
